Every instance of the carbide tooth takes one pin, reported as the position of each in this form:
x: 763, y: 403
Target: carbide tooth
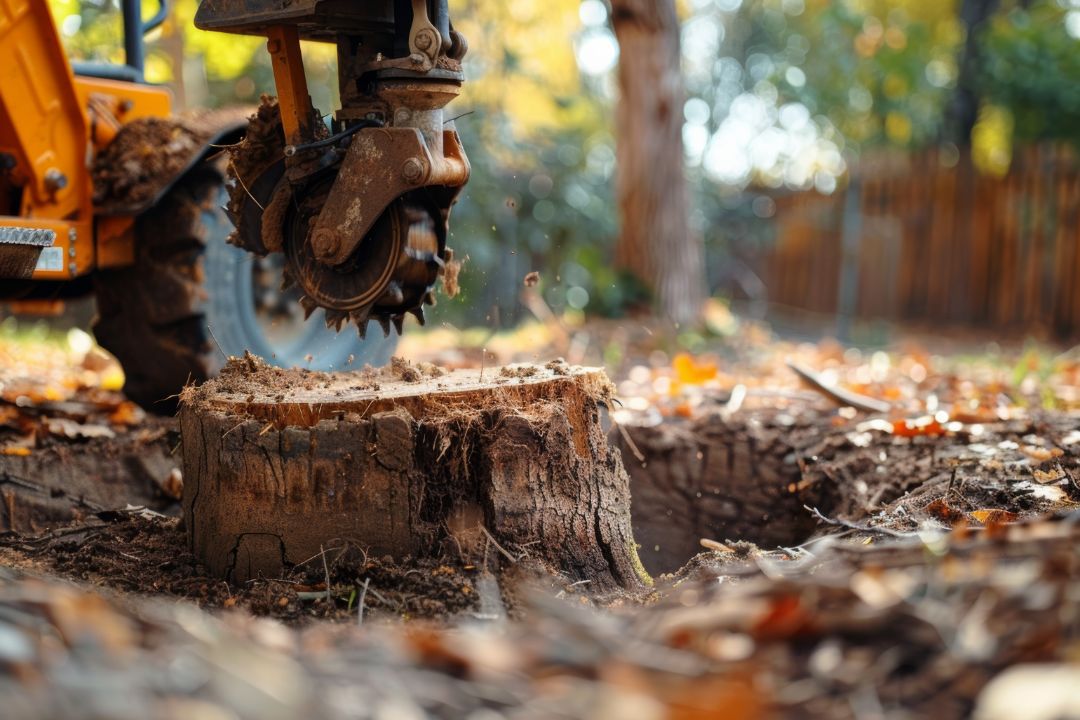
x: 360, y: 317
x: 335, y: 319
x: 309, y: 306
x: 361, y: 329
x: 287, y: 281
x: 384, y: 323
x: 418, y: 313
x: 399, y: 323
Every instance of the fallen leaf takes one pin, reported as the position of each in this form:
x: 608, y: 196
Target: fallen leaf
x: 691, y: 371
x: 1041, y: 454
x: 127, y: 413
x: 941, y: 510
x: 918, y: 428
x: 63, y: 427
x: 994, y: 517
x: 16, y: 451
x: 1048, y: 476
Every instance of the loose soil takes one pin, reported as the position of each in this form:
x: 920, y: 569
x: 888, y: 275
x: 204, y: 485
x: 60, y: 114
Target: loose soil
x: 858, y: 565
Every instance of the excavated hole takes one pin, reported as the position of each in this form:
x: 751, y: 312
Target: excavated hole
x: 721, y: 483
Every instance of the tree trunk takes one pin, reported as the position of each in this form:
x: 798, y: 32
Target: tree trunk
x: 407, y: 463
x: 963, y: 110
x: 656, y: 243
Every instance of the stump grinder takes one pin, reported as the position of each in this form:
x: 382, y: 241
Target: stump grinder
x: 103, y: 190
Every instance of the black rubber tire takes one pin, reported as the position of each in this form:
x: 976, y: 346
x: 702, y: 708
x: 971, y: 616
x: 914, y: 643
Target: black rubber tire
x: 189, y: 291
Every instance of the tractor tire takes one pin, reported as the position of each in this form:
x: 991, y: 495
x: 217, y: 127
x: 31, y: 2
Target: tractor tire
x: 189, y: 301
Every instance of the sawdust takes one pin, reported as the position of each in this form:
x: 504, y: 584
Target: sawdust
x: 519, y: 371
x: 450, y: 278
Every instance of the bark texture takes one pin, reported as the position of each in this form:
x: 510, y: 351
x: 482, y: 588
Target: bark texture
x: 281, y: 464
x: 656, y: 243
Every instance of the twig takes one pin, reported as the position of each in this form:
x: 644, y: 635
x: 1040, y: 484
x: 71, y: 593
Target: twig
x: 853, y: 526
x: 214, y: 337
x: 326, y: 569
x: 626, y: 436
x: 498, y: 547
x: 241, y: 181
x: 458, y: 117
x: 844, y: 397
x: 360, y: 605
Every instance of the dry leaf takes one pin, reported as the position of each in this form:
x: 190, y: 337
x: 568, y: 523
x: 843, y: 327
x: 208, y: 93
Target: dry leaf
x: 994, y: 517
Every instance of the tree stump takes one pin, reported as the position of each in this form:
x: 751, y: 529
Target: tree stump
x: 406, y: 462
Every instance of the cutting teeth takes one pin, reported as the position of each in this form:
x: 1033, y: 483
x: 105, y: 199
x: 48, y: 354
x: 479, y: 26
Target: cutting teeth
x: 418, y: 313
x: 360, y: 317
x: 287, y: 281
x: 335, y: 319
x: 384, y: 323
x: 399, y: 322
x: 309, y: 306
x: 361, y: 329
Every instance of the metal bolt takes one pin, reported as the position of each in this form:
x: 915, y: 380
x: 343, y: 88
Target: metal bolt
x: 55, y: 180
x: 326, y: 241
x: 73, y: 234
x: 71, y: 251
x: 72, y: 267
x: 412, y: 170
x: 424, y: 40
x: 272, y: 46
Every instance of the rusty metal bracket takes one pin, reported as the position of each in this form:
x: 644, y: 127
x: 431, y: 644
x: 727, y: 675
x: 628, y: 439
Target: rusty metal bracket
x: 381, y: 165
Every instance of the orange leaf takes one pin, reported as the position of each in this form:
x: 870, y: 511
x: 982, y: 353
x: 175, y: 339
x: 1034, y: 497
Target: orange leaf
x: 991, y: 518
x: 692, y: 372
x: 944, y: 512
x: 918, y: 428
x: 16, y: 451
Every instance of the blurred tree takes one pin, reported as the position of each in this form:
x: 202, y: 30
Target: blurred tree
x: 1031, y: 68
x: 963, y: 110
x: 655, y: 240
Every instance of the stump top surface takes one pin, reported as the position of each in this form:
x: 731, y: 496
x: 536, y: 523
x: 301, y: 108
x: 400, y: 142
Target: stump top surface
x: 249, y: 386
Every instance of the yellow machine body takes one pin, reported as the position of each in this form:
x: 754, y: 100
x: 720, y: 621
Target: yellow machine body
x: 52, y: 124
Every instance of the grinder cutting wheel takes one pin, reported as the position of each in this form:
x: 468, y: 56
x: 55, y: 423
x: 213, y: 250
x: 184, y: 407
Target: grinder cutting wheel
x: 360, y: 210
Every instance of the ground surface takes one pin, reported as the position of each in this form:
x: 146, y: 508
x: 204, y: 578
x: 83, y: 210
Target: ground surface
x: 920, y: 559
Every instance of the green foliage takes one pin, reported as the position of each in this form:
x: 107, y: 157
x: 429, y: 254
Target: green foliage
x: 548, y: 209
x: 1032, y: 68
x: 90, y: 31
x: 881, y: 72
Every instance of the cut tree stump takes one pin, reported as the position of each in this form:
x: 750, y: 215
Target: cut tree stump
x: 487, y: 466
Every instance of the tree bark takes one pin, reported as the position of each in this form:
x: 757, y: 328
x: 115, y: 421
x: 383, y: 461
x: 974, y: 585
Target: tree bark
x: 484, y: 467
x: 656, y: 243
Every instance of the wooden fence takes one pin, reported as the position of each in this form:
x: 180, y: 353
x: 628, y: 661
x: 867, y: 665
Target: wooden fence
x: 921, y: 239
